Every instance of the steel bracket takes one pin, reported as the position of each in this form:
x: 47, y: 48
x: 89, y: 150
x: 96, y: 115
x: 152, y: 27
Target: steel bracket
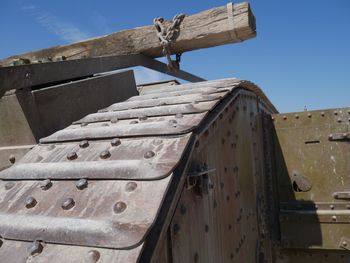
x: 200, y: 180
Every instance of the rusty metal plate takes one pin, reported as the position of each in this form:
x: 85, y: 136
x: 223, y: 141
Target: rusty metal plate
x: 164, y: 101
x: 221, y: 83
x: 129, y: 159
x: 20, y: 252
x: 113, y: 214
x: 150, y: 112
x: 167, y: 125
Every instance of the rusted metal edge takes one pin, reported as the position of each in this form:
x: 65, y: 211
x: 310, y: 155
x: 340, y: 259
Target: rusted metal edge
x: 151, y: 112
x: 172, y: 126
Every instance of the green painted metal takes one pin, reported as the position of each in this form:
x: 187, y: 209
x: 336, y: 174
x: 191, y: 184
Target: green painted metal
x: 313, y: 178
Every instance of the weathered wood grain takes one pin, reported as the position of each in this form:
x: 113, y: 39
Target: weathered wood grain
x: 217, y: 26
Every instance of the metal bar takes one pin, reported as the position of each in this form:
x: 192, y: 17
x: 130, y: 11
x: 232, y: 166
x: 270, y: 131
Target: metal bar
x: 24, y: 76
x: 161, y: 67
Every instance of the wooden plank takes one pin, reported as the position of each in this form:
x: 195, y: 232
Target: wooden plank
x: 217, y: 26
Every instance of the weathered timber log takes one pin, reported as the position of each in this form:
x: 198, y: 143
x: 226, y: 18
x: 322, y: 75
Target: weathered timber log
x: 217, y: 26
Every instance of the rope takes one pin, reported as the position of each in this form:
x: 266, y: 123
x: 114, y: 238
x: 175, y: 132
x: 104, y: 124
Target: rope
x: 167, y: 36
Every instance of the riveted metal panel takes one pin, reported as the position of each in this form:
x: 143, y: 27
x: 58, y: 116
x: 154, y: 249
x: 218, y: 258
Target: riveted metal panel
x: 313, y: 171
x: 137, y: 159
x: 167, y: 125
x: 150, y: 112
x: 165, y: 101
x: 115, y: 214
x: 19, y: 252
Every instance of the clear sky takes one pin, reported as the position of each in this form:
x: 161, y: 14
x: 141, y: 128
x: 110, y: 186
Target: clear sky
x: 300, y: 57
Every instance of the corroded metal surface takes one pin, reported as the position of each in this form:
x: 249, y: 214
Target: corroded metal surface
x: 107, y: 214
x: 313, y: 157
x: 94, y: 190
x: 136, y: 159
x: 142, y: 126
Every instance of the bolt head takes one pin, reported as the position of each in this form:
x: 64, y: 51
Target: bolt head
x: 130, y: 186
x: 12, y: 159
x: 93, y: 256
x: 84, y: 144
x: 119, y: 207
x: 72, y: 156
x: 149, y: 154
x: 116, y: 142
x: 105, y: 154
x: 46, y: 184
x: 81, y: 184
x: 30, y: 202
x: 68, y: 203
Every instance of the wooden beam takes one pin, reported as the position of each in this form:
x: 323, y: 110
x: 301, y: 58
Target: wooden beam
x: 222, y: 25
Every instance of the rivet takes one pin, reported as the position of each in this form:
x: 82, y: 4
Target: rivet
x: 81, y: 184
x: 130, y: 186
x: 9, y: 185
x: 30, y: 202
x: 35, y: 248
x: 93, y: 256
x: 72, y: 156
x: 149, y: 154
x: 176, y: 228
x: 272, y: 118
x: 68, y: 203
x: 183, y: 209
x: 331, y: 206
x: 142, y: 117
x: 46, y: 184
x: 114, y: 120
x: 284, y: 117
x: 344, y: 243
x: 335, y: 112
x: 119, y: 207
x: 196, y: 257
x: 179, y: 115
x: 296, y: 116
x: 84, y: 144
x: 322, y: 113
x: 309, y: 115
x: 339, y: 120
x: 334, y: 218
x: 105, y: 154
x: 134, y: 122
x: 12, y: 159
x: 116, y: 142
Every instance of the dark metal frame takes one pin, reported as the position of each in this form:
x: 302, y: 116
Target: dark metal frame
x: 44, y: 74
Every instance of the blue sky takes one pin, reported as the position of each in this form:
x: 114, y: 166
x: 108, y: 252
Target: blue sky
x: 300, y: 57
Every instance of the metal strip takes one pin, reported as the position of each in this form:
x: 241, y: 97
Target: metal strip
x: 168, y: 125
x: 150, y: 112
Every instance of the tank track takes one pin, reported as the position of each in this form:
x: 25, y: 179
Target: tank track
x: 97, y: 190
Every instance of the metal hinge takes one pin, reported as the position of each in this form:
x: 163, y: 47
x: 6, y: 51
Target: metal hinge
x: 200, y: 180
x: 341, y: 136
x: 342, y: 195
